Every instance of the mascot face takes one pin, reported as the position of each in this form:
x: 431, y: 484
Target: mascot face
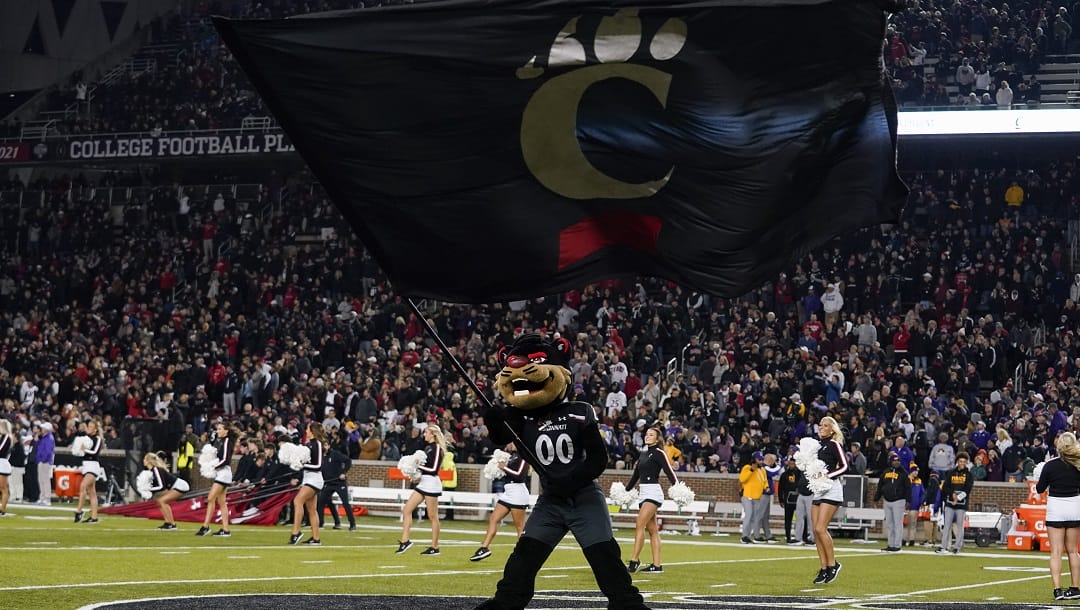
x: 534, y: 372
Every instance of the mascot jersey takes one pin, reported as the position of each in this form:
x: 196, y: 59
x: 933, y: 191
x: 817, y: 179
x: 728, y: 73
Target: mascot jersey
x: 554, y: 437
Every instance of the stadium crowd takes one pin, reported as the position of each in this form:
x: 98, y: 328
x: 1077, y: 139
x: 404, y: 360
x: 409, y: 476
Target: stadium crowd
x: 185, y: 311
x: 976, y: 45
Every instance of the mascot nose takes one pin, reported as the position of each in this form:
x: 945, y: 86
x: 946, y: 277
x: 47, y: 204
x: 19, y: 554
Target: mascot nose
x: 516, y: 362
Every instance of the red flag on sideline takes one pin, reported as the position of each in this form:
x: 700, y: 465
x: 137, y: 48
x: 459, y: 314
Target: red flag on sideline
x: 251, y: 506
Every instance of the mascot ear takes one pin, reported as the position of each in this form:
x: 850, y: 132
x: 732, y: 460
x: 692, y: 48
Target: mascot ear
x: 562, y: 346
x: 500, y: 356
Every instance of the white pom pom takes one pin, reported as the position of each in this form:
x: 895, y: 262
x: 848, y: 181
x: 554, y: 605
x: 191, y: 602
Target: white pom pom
x: 208, y: 459
x: 409, y: 465
x: 621, y: 497
x: 807, y: 460
x: 81, y: 445
x: 681, y: 494
x: 143, y: 482
x: 1037, y: 473
x: 294, y: 456
x: 493, y: 469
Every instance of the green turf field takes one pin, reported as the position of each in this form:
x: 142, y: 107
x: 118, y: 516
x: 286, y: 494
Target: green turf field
x: 50, y: 562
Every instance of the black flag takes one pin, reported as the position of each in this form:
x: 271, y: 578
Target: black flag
x: 488, y: 151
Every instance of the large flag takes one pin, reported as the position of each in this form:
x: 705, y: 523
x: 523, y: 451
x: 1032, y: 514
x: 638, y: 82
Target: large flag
x: 489, y: 150
x: 256, y: 505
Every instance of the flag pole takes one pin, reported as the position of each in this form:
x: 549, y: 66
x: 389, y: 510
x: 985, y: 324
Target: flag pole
x: 472, y: 383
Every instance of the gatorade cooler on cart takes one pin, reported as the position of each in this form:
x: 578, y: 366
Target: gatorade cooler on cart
x: 66, y: 481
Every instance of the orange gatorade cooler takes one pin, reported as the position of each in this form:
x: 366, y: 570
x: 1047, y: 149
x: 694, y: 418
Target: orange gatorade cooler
x: 66, y: 481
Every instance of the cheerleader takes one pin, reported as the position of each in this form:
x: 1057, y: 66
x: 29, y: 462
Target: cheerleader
x: 172, y: 487
x: 1061, y: 477
x: 512, y: 501
x: 825, y: 504
x: 427, y: 490
x: 91, y: 471
x: 6, y: 440
x: 312, y: 484
x: 225, y: 442
x: 652, y: 462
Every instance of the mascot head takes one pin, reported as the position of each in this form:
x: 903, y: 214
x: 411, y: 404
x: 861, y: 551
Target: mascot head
x: 534, y: 372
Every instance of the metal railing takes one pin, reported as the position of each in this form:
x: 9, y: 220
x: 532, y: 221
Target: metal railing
x: 1018, y: 378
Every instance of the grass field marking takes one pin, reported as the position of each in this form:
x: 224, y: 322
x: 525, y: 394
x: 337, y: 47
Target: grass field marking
x: 726, y: 584
x: 243, y: 557
x: 392, y: 567
x: 42, y: 542
x: 555, y: 576
x: 204, y: 581
x: 318, y: 561
x: 176, y: 552
x: 994, y: 599
x: 903, y: 596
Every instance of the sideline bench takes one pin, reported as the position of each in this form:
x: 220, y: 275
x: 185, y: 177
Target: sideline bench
x: 858, y: 519
x: 669, y: 510
x: 395, y: 498
x: 731, y: 513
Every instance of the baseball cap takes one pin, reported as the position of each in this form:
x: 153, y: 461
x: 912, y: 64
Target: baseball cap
x: 759, y: 455
x: 639, y: 423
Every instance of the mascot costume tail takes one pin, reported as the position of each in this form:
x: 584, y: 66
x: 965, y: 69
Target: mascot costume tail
x: 561, y: 440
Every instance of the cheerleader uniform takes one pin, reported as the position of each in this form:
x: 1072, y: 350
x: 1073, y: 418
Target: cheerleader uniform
x: 430, y: 484
x: 836, y: 464
x: 313, y: 470
x: 650, y: 464
x: 90, y: 464
x: 5, y: 453
x: 1063, y: 501
x: 222, y: 469
x: 516, y: 492
x: 163, y: 479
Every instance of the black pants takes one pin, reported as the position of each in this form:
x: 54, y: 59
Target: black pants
x: 789, y: 517
x: 326, y: 498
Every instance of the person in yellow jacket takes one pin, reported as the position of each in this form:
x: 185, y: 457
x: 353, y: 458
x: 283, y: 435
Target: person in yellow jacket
x: 185, y: 458
x: 753, y: 479
x: 1014, y: 195
x: 450, y: 484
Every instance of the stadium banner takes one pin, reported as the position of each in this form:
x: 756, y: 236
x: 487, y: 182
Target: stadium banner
x: 250, y: 505
x: 138, y: 147
x: 171, y: 146
x: 490, y: 150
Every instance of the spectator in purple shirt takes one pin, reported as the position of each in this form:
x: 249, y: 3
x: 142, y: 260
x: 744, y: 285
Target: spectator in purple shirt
x: 46, y: 448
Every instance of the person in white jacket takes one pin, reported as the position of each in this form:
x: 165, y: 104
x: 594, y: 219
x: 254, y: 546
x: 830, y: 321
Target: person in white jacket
x: 831, y: 302
x: 1004, y: 96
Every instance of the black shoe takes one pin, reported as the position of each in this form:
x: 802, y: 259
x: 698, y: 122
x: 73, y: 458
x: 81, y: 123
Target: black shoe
x: 653, y: 568
x: 820, y: 576
x: 792, y: 541
x: 632, y: 566
x: 222, y: 534
x: 403, y: 546
x: 352, y: 528
x: 759, y: 539
x: 167, y: 527
x: 430, y: 551
x: 295, y: 538
x: 1072, y: 593
x: 1059, y: 593
x: 312, y: 542
x: 895, y: 549
x: 747, y: 540
x: 806, y: 542
x: 955, y: 551
x: 940, y: 550
x: 90, y: 520
x: 771, y: 539
x: 337, y: 527
x: 832, y: 573
x: 203, y: 531
x: 78, y: 516
x: 481, y: 553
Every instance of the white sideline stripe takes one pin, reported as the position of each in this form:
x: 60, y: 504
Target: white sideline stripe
x: 41, y: 542
x: 175, y: 553
x: 318, y: 561
x: 243, y: 557
x: 555, y: 576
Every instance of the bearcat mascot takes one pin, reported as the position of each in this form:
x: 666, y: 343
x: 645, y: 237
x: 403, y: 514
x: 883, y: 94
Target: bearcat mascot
x: 561, y: 440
